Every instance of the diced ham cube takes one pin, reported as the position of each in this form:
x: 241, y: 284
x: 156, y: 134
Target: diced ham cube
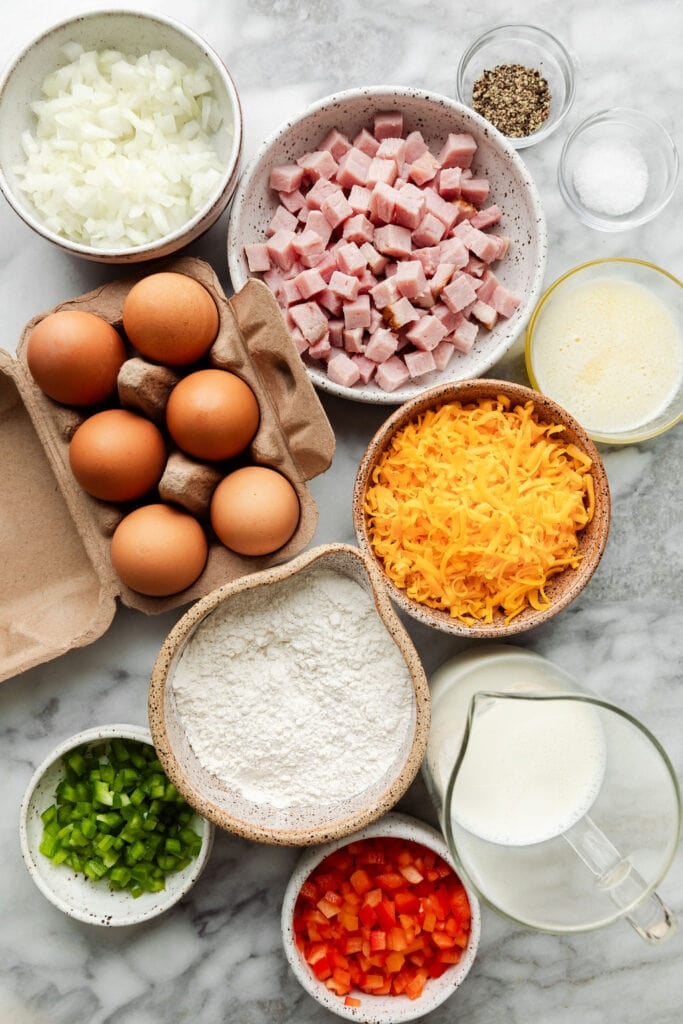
x: 487, y: 217
x: 458, y: 151
x: 409, y: 207
x: 427, y: 333
x: 489, y: 283
x: 336, y: 143
x: 299, y: 341
x: 366, y: 368
x: 464, y: 337
x: 303, y: 213
x: 342, y: 370
x: 392, y: 149
x: 321, y: 190
x: 382, y: 345
x: 336, y: 333
x: 311, y: 321
x: 282, y: 220
x: 392, y: 374
x: 346, y: 286
x: 383, y: 199
x: 451, y: 321
x: 449, y: 182
x: 274, y: 278
x: 357, y: 313
x: 258, y: 259
x: 321, y: 349
x: 353, y: 168
x: 384, y: 293
x: 442, y: 354
x: 465, y: 210
x: 336, y: 209
x: 423, y: 169
x: 414, y: 148
x: 290, y: 293
x: 330, y: 301
x: 484, y: 313
x: 319, y: 223
x: 482, y: 245
x: 358, y: 229
x: 366, y: 142
x: 388, y: 125
x: 292, y: 201
x: 399, y: 313
x: 419, y: 363
x: 440, y: 208
x: 425, y: 299
x: 474, y: 266
x: 320, y: 164
x: 475, y: 190
x: 376, y: 262
x: 353, y: 339
x: 393, y: 240
x: 309, y: 243
x: 429, y: 257
x: 503, y: 245
x: 309, y: 282
x: 350, y: 259
x: 376, y: 319
x: 359, y: 198
x: 286, y: 177
x: 504, y: 302
x: 459, y: 293
x: 381, y: 170
x: 410, y: 278
x: 453, y: 250
x: 281, y: 250
x: 442, y: 275
x: 326, y: 266
x: 366, y: 281
x: 429, y: 231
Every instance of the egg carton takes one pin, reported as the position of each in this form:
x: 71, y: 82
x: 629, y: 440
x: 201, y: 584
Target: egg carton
x: 59, y: 589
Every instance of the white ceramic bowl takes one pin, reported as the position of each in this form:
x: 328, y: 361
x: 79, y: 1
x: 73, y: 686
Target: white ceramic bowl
x: 378, y: 1009
x: 134, y: 33
x: 75, y: 894
x: 435, y: 116
x: 619, y: 128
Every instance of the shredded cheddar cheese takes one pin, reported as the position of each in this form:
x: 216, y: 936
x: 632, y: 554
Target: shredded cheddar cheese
x: 472, y: 509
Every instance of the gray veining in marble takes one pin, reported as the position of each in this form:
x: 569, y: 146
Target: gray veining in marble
x: 216, y: 957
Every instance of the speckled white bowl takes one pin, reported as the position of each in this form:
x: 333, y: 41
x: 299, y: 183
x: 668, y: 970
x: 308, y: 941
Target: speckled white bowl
x: 378, y: 1009
x: 435, y: 116
x: 134, y: 33
x: 75, y: 894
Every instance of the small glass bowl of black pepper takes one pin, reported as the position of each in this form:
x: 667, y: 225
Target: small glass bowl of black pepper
x: 521, y: 79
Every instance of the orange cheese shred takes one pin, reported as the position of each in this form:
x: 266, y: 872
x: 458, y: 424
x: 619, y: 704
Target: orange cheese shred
x: 473, y: 508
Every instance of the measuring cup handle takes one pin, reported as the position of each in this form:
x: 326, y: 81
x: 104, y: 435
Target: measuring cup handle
x: 616, y: 876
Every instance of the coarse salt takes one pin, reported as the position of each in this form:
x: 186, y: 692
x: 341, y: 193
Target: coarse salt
x: 611, y: 178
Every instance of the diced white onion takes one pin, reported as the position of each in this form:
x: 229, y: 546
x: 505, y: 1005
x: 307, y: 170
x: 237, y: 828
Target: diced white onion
x: 122, y: 152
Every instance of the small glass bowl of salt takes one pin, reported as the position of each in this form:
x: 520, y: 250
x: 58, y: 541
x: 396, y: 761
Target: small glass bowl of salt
x: 618, y: 169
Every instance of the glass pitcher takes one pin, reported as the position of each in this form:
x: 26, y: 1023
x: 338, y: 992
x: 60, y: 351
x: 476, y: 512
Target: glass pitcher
x: 561, y: 810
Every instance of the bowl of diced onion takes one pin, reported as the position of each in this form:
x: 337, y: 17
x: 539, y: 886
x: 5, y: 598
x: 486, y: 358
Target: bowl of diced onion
x: 120, y: 136
x: 104, y: 835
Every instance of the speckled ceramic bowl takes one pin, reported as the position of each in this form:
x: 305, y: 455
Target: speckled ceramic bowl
x: 435, y: 116
x: 378, y: 1009
x: 291, y: 824
x: 134, y: 33
x: 76, y: 895
x: 561, y: 589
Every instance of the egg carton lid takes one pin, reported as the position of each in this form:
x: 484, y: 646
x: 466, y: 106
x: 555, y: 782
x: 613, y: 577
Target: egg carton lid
x: 59, y: 590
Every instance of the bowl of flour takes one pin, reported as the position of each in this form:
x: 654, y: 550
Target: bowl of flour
x: 291, y: 706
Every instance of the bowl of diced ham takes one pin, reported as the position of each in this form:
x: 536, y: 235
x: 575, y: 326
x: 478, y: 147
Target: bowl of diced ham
x: 402, y: 236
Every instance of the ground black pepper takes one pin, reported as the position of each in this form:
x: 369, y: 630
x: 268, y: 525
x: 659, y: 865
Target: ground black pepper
x: 514, y: 98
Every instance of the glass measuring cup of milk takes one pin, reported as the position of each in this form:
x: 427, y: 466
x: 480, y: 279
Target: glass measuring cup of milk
x: 561, y: 810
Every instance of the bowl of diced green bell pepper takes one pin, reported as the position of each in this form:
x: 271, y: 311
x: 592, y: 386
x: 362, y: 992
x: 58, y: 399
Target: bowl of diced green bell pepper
x: 105, y: 835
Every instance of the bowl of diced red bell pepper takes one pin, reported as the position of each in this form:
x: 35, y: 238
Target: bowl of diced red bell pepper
x: 378, y: 927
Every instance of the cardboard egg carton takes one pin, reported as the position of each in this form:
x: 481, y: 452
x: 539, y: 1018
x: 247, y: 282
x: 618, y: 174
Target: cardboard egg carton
x: 59, y: 589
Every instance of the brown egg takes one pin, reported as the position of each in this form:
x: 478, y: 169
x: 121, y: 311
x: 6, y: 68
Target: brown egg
x: 117, y: 456
x: 158, y: 550
x: 212, y: 414
x: 254, y: 510
x: 170, y: 318
x: 75, y: 357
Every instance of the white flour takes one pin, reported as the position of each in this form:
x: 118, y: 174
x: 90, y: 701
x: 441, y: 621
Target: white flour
x: 295, y: 694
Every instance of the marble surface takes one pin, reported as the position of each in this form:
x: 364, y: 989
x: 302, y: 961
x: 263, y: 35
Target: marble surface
x: 217, y: 956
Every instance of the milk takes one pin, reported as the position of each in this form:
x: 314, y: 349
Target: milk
x: 531, y: 769
x: 610, y: 352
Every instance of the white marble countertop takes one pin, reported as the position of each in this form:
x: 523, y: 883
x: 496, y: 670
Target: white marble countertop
x: 217, y: 957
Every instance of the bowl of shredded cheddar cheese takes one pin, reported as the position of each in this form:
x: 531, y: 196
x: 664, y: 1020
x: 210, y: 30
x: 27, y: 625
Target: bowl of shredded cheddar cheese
x: 485, y: 505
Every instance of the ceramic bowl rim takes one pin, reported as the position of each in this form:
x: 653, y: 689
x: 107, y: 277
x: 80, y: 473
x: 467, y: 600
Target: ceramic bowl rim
x: 166, y: 899
x: 229, y: 175
x: 394, y: 823
x: 601, y: 437
x: 458, y: 391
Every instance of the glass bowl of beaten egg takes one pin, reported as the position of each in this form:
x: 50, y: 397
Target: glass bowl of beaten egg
x: 605, y: 343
